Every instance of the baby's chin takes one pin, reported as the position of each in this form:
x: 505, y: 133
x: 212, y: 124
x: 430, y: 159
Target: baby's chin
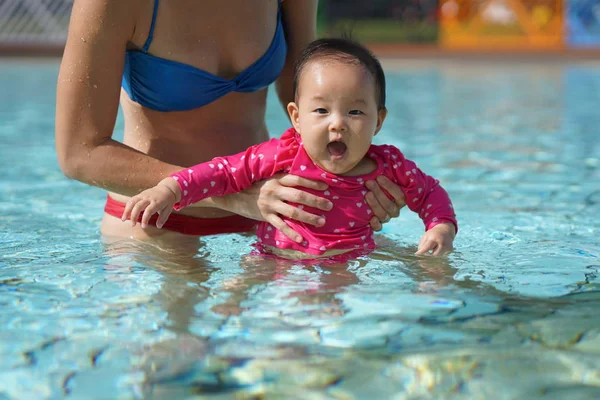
x: 336, y: 167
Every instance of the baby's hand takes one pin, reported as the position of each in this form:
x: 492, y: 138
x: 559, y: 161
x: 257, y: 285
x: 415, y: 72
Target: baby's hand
x: 159, y: 199
x: 438, y: 240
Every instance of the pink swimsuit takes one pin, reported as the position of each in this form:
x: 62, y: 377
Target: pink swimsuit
x: 347, y: 223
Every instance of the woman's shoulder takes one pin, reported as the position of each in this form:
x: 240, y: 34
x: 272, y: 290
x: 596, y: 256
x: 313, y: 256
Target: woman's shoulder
x: 111, y: 14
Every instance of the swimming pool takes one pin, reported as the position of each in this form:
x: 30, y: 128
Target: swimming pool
x: 513, y: 313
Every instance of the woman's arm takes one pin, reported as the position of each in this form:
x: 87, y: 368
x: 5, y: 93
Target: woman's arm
x: 88, y: 89
x: 300, y: 26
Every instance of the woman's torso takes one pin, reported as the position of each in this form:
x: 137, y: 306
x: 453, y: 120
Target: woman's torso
x: 202, y: 35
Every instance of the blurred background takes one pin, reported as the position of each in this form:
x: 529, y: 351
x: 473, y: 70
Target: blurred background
x: 39, y: 26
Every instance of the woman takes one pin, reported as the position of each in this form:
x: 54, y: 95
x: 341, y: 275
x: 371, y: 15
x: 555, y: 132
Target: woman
x: 191, y: 78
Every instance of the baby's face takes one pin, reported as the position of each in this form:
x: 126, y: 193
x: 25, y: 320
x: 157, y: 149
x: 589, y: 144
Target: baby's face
x: 336, y: 114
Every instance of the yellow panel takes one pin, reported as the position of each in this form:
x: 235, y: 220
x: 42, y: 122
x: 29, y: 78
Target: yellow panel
x: 486, y: 24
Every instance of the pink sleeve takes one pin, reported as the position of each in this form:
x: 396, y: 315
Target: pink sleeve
x: 233, y: 174
x: 423, y: 193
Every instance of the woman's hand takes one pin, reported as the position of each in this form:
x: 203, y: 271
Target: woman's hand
x: 383, y: 208
x: 266, y: 201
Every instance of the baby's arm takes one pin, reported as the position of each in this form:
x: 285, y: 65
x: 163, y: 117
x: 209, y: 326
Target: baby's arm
x: 220, y: 176
x: 425, y: 196
x: 231, y: 174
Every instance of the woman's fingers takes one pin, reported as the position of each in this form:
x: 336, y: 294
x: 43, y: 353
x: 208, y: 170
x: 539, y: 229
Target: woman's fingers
x: 288, y: 192
x: 376, y: 225
x: 274, y: 198
x: 395, y: 191
x: 298, y: 214
x: 280, y: 225
x: 294, y: 180
x: 301, y: 197
x: 378, y: 211
x: 304, y: 198
x: 382, y: 206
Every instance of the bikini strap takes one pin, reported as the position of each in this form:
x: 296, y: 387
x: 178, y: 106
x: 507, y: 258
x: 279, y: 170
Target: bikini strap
x: 151, y: 34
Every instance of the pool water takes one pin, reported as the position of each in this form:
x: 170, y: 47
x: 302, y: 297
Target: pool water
x: 513, y: 313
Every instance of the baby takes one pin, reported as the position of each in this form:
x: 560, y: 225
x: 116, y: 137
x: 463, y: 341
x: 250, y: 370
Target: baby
x: 339, y: 92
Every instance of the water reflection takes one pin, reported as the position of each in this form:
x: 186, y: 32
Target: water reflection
x: 512, y: 313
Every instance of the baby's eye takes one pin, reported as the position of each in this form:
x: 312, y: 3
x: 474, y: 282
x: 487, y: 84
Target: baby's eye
x: 321, y: 111
x: 355, y: 112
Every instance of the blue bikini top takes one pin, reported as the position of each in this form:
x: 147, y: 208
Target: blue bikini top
x: 165, y: 85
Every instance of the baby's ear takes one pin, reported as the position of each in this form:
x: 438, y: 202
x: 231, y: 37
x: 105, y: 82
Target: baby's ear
x: 292, y: 110
x: 381, y: 114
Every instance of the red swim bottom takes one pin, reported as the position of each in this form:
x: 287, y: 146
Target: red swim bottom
x: 190, y: 225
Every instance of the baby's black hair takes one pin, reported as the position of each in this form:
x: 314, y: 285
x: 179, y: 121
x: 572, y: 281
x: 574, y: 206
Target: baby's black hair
x: 345, y: 50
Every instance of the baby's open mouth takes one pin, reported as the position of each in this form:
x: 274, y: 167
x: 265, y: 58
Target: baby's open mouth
x: 336, y: 149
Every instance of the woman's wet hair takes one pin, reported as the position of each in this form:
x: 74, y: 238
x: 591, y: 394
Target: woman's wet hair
x: 345, y: 51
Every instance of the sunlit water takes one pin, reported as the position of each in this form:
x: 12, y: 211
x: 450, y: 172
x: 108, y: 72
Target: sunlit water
x: 513, y: 313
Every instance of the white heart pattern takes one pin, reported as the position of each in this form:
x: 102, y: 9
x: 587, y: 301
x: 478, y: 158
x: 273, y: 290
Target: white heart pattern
x: 302, y: 167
